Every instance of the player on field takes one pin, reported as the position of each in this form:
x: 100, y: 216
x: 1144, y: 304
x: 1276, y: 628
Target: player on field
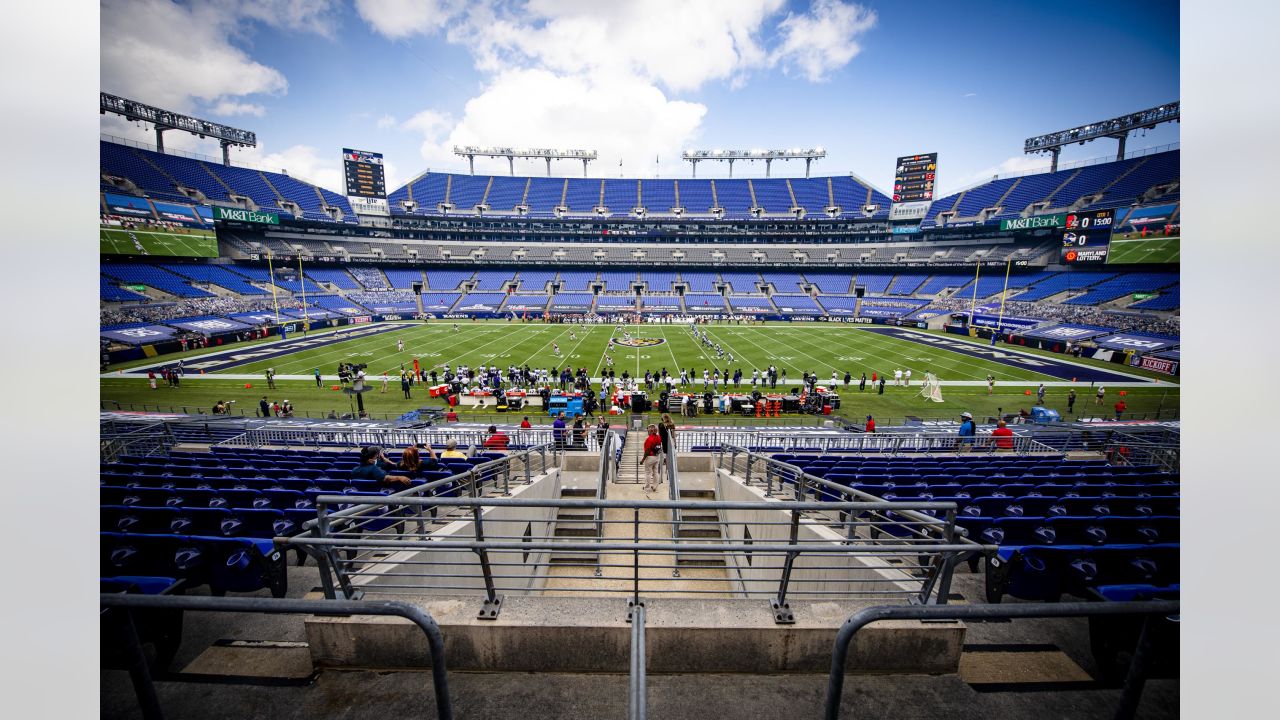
x: 897, y: 376
x: 991, y: 384
x: 555, y: 348
x: 455, y: 327
x: 400, y: 345
x: 1102, y: 391
x: 907, y: 377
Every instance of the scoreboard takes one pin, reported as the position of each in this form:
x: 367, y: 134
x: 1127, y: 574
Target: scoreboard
x: 1086, y: 237
x: 366, y: 182
x: 914, y: 178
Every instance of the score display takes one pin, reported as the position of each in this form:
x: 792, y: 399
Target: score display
x: 366, y: 182
x: 915, y: 177
x: 1086, y: 236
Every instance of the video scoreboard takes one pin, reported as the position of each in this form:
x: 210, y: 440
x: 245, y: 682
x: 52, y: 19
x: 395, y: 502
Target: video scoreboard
x: 366, y: 182
x: 1086, y: 236
x: 915, y: 178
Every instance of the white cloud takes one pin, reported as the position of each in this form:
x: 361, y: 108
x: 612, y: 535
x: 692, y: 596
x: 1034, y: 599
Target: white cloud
x: 165, y: 54
x: 387, y: 121
x: 599, y: 75
x: 398, y: 19
x: 314, y: 16
x: 300, y: 161
x: 231, y: 107
x: 621, y: 117
x: 823, y: 39
x: 969, y: 95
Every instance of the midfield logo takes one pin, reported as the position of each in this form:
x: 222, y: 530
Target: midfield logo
x: 640, y: 342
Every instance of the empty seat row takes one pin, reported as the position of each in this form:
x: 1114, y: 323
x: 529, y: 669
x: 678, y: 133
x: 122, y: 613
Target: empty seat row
x: 279, y: 499
x: 1037, y: 572
x: 224, y: 564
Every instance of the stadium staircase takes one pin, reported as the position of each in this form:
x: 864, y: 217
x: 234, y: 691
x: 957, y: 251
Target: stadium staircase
x: 484, y: 199
x: 792, y: 193
x: 448, y: 188
x: 280, y: 199
x: 1103, y: 191
x: 999, y: 203
x: 225, y: 186
x: 1064, y: 183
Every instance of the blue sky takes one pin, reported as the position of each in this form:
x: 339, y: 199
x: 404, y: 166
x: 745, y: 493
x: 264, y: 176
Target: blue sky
x: 640, y: 81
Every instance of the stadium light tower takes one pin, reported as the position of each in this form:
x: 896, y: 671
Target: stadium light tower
x: 166, y: 120
x: 471, y: 152
x: 1118, y: 128
x: 768, y: 156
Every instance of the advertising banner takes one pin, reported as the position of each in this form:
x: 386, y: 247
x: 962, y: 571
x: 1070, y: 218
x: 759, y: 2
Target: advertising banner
x: 242, y: 215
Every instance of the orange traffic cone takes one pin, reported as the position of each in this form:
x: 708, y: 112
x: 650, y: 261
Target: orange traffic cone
x: 1026, y: 392
x: 336, y: 387
x: 248, y: 386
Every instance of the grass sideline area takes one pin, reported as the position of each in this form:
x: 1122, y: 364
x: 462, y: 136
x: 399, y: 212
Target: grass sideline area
x: 187, y: 243
x: 1128, y: 251
x: 794, y: 346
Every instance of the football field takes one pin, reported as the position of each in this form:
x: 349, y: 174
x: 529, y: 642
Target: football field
x: 820, y: 348
x: 1144, y: 250
x: 192, y: 243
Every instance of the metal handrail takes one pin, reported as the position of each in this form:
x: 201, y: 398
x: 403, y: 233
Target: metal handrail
x: 637, y: 684
x: 141, y: 674
x: 673, y: 488
x: 882, y: 444
x: 608, y: 469
x: 1137, y: 667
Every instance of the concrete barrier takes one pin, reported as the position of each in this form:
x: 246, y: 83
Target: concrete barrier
x: 582, y: 634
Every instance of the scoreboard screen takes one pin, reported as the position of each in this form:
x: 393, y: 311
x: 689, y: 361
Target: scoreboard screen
x: 364, y: 173
x: 366, y: 183
x: 1086, y: 236
x: 914, y: 178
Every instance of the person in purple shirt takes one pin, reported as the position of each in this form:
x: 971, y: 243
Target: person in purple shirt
x: 557, y: 431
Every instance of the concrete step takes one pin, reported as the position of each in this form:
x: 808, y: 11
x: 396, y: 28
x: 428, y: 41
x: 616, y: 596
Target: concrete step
x: 577, y: 493
x: 576, y: 530
x: 704, y: 533
x: 686, y: 494
x: 708, y: 561
x: 559, y: 558
x: 572, y: 515
x: 699, y: 516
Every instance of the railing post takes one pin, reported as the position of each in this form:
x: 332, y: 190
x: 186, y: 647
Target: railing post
x: 324, y: 529
x: 493, y: 601
x: 635, y: 557
x: 782, y: 614
x: 139, y: 672
x: 1136, y: 679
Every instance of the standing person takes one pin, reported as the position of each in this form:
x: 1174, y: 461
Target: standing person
x: 897, y: 377
x: 579, y: 433
x: 1120, y: 408
x: 968, y: 430
x: 667, y: 433
x: 151, y: 379
x: 870, y: 425
x: 848, y: 377
x: 862, y: 384
x: 271, y: 378
x: 1003, y: 436
x: 1071, y: 401
x: 652, y: 456
x: 264, y: 407
x: 1102, y: 391
x: 400, y: 345
x: 384, y: 381
x: 404, y: 385
x: 602, y: 429
x: 317, y: 374
x: 880, y: 389
x: 557, y: 431
x: 991, y: 384
x: 907, y: 377
x: 1040, y: 394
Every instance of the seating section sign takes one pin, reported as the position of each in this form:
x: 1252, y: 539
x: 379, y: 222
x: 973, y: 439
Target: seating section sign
x: 1138, y: 343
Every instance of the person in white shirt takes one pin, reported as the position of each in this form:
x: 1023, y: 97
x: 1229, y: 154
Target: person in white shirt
x: 908, y: 376
x: 897, y: 376
x: 400, y: 345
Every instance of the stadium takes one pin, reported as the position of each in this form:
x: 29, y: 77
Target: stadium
x: 577, y: 445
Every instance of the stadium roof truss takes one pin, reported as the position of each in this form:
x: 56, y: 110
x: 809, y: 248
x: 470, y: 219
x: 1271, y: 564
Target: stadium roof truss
x: 1118, y: 128
x: 471, y: 152
x: 166, y: 120
x: 768, y: 156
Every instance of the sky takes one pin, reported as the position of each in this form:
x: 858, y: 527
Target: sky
x: 640, y: 81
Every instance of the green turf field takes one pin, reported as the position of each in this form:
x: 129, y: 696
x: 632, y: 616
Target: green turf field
x: 796, y: 347
x: 189, y: 243
x: 1143, y: 250
x: 819, y: 348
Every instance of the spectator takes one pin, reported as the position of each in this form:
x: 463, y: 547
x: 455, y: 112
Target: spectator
x: 652, y: 457
x: 525, y: 424
x: 411, y: 461
x: 496, y: 439
x: 667, y: 433
x: 967, y: 431
x: 870, y: 425
x: 557, y: 431
x: 264, y: 407
x: 1120, y: 408
x: 374, y: 465
x: 451, y: 416
x: 451, y: 451
x: 1071, y: 401
x: 1003, y: 436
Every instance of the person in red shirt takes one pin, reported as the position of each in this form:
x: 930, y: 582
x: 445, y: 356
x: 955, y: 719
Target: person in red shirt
x: 1120, y: 408
x: 1003, y: 436
x: 871, y: 425
x: 496, y: 440
x: 524, y: 424
x: 451, y: 416
x: 652, y: 458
